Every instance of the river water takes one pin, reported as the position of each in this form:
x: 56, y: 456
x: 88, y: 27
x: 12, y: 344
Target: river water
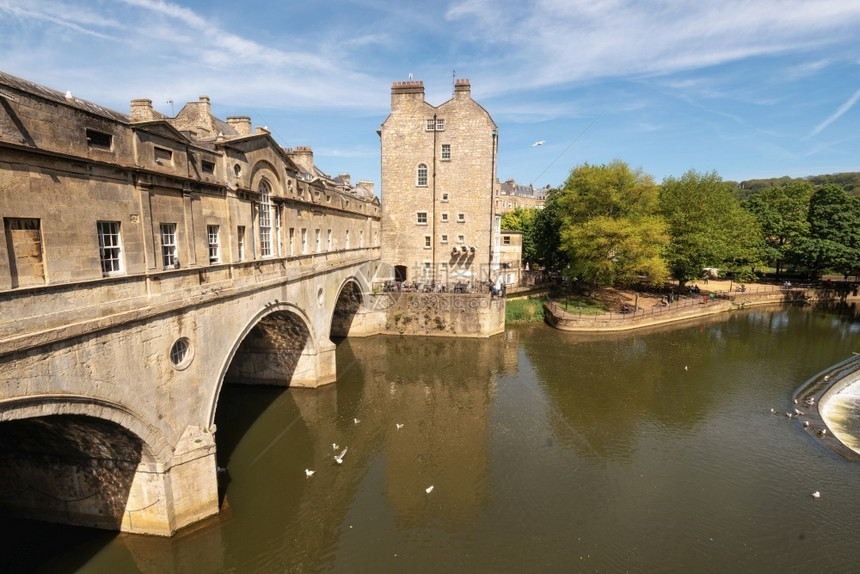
x: 546, y: 451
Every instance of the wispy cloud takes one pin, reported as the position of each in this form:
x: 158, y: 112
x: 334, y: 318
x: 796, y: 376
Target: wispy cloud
x: 843, y: 109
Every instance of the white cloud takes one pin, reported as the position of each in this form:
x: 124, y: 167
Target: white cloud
x: 836, y: 115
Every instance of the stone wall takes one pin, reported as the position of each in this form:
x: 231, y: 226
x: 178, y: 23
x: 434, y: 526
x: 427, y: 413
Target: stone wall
x: 445, y: 315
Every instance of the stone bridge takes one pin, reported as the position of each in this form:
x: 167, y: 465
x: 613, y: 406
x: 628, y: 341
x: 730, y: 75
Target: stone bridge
x: 107, y: 410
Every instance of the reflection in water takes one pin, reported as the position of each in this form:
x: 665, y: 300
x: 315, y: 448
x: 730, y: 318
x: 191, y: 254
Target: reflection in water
x: 547, y: 451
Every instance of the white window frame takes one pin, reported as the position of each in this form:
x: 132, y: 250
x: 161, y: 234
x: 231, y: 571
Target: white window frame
x: 264, y: 219
x: 304, y: 240
x: 213, y: 234
x: 440, y: 125
x: 444, y: 217
x: 419, y: 216
x: 461, y: 218
x: 445, y: 197
x: 446, y: 152
x: 461, y: 239
x: 169, y: 251
x: 110, y: 247
x: 240, y: 242
x: 427, y: 243
x: 421, y: 175
x: 444, y: 238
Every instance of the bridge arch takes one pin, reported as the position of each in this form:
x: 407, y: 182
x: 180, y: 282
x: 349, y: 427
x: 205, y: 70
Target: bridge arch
x: 155, y: 448
x: 76, y: 460
x: 277, y: 346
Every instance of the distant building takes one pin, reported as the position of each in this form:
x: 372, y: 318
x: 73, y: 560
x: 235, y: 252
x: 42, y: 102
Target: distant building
x: 510, y: 256
x: 438, y: 176
x: 511, y: 195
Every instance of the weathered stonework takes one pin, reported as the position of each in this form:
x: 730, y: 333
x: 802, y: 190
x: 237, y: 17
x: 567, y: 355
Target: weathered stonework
x: 438, y: 175
x: 115, y: 340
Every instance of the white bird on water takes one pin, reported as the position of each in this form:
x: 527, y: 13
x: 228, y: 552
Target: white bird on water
x: 429, y: 489
x: 334, y: 446
x: 816, y: 494
x: 822, y: 431
x: 399, y: 426
x: 541, y: 142
x: 355, y: 421
x: 685, y: 367
x: 339, y: 457
x: 309, y: 473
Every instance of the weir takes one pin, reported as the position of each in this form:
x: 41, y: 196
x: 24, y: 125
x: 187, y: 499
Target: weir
x: 833, y: 415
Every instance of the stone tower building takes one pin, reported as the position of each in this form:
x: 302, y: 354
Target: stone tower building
x: 438, y: 171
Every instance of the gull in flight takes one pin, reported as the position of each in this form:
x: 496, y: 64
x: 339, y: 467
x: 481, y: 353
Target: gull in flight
x: 541, y: 142
x: 355, y: 421
x: 338, y: 458
x: 399, y: 426
x: 429, y: 489
x: 309, y: 473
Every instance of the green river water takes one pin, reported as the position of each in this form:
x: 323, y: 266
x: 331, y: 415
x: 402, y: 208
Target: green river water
x: 547, y: 452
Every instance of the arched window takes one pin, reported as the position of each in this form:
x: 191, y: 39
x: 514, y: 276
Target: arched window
x: 422, y: 175
x: 265, y: 221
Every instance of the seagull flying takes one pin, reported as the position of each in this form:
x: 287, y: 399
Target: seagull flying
x: 429, y: 489
x: 355, y: 421
x: 339, y: 457
x: 399, y: 426
x: 541, y: 142
x: 309, y: 473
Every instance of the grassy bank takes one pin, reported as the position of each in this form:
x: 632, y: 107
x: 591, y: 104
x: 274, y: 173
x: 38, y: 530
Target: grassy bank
x: 524, y: 311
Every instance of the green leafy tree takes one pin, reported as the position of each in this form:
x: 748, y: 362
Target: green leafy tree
x: 609, y: 230
x: 834, y: 232
x: 782, y: 214
x: 523, y: 220
x: 707, y: 227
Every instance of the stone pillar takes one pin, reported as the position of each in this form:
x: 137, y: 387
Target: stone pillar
x: 163, y: 500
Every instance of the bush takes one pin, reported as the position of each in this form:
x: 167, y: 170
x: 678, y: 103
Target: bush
x: 524, y: 311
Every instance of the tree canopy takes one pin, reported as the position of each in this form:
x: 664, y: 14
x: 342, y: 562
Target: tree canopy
x: 609, y: 229
x: 707, y: 226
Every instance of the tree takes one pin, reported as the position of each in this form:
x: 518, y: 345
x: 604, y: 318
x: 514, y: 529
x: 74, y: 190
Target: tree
x: 707, y: 227
x: 609, y: 230
x: 782, y: 215
x: 546, y: 234
x: 523, y: 220
x: 834, y: 232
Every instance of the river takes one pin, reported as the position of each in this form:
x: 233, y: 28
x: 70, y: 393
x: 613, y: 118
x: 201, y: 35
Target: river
x: 546, y: 451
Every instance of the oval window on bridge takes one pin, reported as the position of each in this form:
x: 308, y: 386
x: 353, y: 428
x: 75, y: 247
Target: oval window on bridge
x: 180, y: 353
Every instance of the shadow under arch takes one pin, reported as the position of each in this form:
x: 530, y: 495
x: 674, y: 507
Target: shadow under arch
x: 274, y: 347
x: 350, y: 299
x: 72, y: 460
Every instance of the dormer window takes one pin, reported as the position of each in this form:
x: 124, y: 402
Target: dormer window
x: 99, y: 140
x: 163, y: 156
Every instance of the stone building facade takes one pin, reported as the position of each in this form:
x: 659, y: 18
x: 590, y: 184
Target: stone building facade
x: 89, y: 194
x: 511, y: 195
x: 438, y: 175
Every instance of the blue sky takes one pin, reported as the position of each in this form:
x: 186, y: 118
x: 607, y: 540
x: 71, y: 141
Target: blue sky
x: 751, y: 89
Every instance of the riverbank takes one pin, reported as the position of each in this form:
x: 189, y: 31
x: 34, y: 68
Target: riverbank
x: 627, y: 310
